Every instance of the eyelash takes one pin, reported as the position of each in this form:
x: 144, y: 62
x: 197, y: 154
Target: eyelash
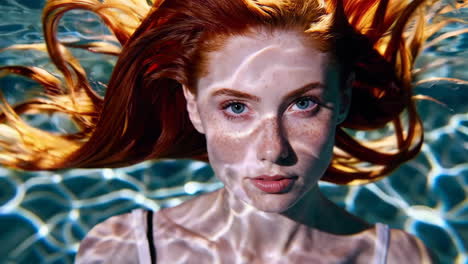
x: 314, y: 103
x: 232, y: 115
x: 230, y: 103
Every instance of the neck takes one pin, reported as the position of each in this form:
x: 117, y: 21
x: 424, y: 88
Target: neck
x: 313, y: 210
x: 234, y: 226
x: 310, y: 209
x: 311, y: 219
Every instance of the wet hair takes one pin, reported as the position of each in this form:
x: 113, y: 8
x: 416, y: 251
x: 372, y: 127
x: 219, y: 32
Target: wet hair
x: 143, y: 113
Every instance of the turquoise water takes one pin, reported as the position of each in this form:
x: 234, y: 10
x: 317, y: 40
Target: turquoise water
x: 44, y: 215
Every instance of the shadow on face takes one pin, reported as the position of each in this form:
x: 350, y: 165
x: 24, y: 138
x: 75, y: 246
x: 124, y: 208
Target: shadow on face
x: 269, y: 104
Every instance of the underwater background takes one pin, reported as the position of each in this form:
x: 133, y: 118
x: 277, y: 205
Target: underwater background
x: 44, y: 215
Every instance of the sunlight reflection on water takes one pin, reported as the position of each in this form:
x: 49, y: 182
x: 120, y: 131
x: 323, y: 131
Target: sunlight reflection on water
x: 44, y: 215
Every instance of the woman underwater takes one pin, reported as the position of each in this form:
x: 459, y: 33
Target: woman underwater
x: 267, y: 92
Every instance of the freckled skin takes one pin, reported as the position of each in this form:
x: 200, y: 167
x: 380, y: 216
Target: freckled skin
x: 268, y: 132
x: 272, y: 139
x: 270, y: 136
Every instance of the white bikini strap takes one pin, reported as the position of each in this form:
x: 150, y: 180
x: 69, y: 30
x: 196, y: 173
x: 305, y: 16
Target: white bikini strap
x: 139, y: 232
x: 381, y: 244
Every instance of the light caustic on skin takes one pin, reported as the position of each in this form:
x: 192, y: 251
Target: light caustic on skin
x: 267, y: 106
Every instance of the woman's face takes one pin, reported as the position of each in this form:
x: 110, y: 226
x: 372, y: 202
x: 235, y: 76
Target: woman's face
x: 268, y: 106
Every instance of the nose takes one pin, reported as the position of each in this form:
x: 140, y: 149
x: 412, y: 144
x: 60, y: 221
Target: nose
x: 273, y: 145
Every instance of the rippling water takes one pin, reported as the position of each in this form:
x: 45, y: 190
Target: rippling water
x: 44, y: 215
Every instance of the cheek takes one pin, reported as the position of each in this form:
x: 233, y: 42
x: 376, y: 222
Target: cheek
x: 228, y: 156
x: 313, y: 139
x: 224, y: 148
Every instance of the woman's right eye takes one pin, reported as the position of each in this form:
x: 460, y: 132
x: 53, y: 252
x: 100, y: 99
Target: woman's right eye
x: 234, y: 109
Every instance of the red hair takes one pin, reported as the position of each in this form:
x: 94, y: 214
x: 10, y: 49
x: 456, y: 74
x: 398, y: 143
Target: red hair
x: 143, y: 114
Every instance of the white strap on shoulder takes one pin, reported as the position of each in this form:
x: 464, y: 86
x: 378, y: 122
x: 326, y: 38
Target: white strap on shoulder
x: 382, y: 243
x: 139, y: 232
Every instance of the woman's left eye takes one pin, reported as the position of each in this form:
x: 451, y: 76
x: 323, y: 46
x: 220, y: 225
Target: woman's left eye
x: 304, y: 104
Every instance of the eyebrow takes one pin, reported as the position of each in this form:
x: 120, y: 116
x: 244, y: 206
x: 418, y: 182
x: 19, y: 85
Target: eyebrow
x: 304, y: 89
x: 235, y: 93
x: 295, y: 93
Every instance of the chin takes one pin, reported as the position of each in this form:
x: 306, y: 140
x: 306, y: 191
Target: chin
x: 273, y: 203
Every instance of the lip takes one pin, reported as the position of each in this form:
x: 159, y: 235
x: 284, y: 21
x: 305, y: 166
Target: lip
x: 273, y: 184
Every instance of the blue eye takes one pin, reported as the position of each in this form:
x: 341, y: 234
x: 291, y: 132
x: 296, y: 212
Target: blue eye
x: 304, y: 104
x: 236, y: 108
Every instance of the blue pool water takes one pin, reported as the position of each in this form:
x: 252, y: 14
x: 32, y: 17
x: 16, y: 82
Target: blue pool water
x: 44, y: 215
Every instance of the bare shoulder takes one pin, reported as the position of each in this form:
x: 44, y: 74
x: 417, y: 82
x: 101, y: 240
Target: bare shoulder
x: 195, y: 208
x: 113, y: 241
x: 406, y: 248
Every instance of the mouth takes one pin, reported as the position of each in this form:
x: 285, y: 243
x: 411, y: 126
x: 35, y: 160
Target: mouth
x: 273, y: 184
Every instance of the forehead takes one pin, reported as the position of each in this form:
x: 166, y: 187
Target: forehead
x: 283, y: 57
